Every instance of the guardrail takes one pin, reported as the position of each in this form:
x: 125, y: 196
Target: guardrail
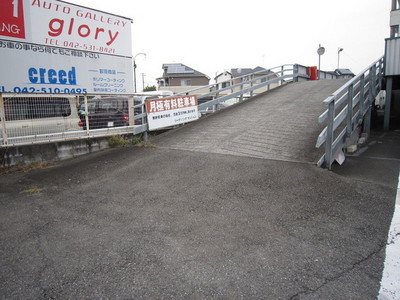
x: 349, y: 113
x: 40, y: 118
x: 61, y: 117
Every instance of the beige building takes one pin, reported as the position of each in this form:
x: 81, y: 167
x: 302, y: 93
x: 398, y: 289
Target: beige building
x: 179, y: 78
x: 244, y: 75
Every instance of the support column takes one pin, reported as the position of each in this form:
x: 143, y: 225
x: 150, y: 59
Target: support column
x: 388, y: 102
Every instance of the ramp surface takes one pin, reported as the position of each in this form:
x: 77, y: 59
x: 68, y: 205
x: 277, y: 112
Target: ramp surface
x: 159, y: 223
x: 281, y: 124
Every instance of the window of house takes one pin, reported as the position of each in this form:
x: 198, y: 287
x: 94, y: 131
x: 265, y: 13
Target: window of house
x: 394, y: 31
x: 186, y: 82
x: 225, y: 84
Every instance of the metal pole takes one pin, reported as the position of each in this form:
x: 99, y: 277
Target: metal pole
x: 349, y: 127
x: 134, y: 68
x: 3, y: 121
x: 319, y: 66
x: 143, y: 74
x: 87, y: 116
x: 338, y: 56
x: 388, y: 100
x: 134, y: 74
x: 320, y: 51
x: 296, y: 73
x: 329, y: 135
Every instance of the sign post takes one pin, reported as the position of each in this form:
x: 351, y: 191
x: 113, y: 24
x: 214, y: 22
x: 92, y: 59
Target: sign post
x: 320, y: 51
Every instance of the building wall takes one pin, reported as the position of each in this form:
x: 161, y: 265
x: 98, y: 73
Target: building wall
x: 180, y: 89
x: 223, y: 78
x: 195, y: 81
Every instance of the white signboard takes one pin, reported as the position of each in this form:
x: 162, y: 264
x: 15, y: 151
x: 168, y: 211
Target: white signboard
x: 42, y: 69
x: 168, y: 112
x: 56, y: 47
x: 61, y: 24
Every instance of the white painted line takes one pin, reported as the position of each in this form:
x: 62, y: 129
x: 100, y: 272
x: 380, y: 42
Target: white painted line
x: 390, y: 283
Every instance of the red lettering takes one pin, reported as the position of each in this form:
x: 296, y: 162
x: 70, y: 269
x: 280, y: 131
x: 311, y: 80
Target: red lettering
x: 98, y: 30
x: 56, y: 27
x: 71, y: 25
x: 87, y: 30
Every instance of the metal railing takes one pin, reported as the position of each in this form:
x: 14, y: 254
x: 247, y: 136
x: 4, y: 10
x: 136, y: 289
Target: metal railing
x: 349, y: 113
x: 40, y: 118
x: 43, y: 118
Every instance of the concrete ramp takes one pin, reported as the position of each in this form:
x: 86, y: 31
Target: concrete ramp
x: 281, y: 124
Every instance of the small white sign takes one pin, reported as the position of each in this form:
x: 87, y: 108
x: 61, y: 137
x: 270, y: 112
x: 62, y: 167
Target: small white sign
x: 168, y: 112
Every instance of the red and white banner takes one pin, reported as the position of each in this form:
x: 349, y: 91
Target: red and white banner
x: 168, y: 112
x: 49, y: 46
x: 61, y: 24
x: 12, y: 21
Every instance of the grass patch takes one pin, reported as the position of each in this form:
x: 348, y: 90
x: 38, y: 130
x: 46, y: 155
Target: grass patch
x: 119, y: 141
x: 124, y: 141
x: 145, y: 144
x: 25, y: 168
x: 33, y: 190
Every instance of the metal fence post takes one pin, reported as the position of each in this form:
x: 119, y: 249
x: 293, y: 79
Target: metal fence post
x: 362, y: 99
x: 3, y: 121
x: 349, y: 126
x: 86, y: 115
x: 296, y: 73
x: 329, y: 135
x: 131, y: 110
x: 241, y: 94
x: 251, y: 84
x: 373, y: 79
x: 380, y: 74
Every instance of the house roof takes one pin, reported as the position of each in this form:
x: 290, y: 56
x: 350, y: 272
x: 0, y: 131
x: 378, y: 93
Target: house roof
x: 223, y: 73
x: 243, y: 71
x: 262, y: 71
x: 181, y: 70
x: 344, y: 72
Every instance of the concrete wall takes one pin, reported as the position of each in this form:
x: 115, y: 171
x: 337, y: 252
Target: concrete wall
x: 51, y: 152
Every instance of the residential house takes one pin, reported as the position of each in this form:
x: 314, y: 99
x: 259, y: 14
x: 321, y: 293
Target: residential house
x: 344, y: 73
x: 243, y: 75
x: 179, y: 78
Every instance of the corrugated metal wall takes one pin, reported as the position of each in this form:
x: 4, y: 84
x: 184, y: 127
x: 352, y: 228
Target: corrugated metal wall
x: 392, y: 57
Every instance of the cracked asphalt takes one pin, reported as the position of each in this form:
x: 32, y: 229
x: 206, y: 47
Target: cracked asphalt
x: 157, y: 223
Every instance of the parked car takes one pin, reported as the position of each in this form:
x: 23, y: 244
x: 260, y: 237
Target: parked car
x: 113, y: 111
x: 28, y: 115
x: 105, y: 112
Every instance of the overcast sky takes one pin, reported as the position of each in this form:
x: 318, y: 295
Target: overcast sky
x: 216, y: 35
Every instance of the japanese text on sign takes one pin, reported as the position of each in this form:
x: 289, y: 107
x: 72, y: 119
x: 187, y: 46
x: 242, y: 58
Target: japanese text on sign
x: 167, y: 112
x: 158, y: 105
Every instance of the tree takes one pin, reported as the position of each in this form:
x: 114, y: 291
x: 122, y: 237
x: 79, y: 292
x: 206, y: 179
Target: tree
x: 150, y: 88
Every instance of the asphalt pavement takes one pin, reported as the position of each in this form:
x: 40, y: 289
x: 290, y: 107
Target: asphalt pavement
x: 163, y: 223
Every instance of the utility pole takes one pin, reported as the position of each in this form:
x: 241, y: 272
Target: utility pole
x: 134, y: 68
x: 338, y: 56
x: 143, y: 74
x: 320, y: 51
